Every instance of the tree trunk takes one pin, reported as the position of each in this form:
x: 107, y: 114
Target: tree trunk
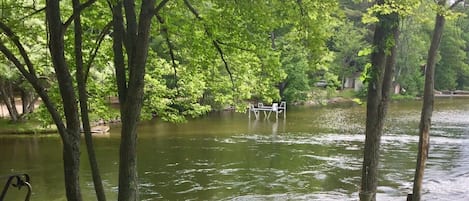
x: 27, y: 101
x: 131, y: 92
x: 427, y: 108
x: 8, y: 99
x: 71, y: 137
x: 379, y: 87
x: 83, y: 99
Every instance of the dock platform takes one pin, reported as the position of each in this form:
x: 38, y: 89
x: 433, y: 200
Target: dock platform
x: 268, y: 110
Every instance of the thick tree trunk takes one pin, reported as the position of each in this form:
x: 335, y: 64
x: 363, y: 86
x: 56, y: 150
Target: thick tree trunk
x: 131, y: 93
x: 427, y: 108
x: 71, y: 137
x: 379, y: 87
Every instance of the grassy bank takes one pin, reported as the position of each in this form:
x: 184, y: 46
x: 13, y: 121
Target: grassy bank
x: 23, y: 127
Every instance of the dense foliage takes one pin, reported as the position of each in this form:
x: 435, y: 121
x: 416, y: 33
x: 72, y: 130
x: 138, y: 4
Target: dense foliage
x: 212, y: 55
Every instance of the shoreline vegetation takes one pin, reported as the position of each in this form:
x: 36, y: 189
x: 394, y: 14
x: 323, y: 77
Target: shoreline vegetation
x: 101, y: 127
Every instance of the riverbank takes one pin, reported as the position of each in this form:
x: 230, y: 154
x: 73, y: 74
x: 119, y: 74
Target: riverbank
x: 29, y: 127
x: 317, y: 98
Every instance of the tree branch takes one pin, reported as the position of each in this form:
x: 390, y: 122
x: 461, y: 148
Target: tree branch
x: 10, y: 56
x: 300, y: 5
x: 117, y: 48
x: 93, y: 54
x: 160, y: 6
x: 165, y: 33
x: 192, y: 9
x: 235, y: 46
x: 455, y: 3
x: 33, y: 13
x: 15, y: 39
x: 222, y: 55
x: 214, y: 41
x: 37, y: 86
x: 77, y: 12
x: 131, y: 35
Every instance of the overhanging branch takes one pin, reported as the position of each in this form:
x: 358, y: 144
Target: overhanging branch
x: 160, y: 6
x: 77, y: 12
x: 215, y: 42
x: 455, y: 3
x: 93, y: 54
x: 33, y: 13
x: 222, y: 55
x: 34, y: 81
x: 165, y: 33
x: 15, y: 39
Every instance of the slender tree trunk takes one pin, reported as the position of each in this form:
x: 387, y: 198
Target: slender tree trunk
x: 83, y: 99
x: 28, y: 99
x: 8, y: 99
x: 71, y: 137
x: 11, y: 98
x: 25, y: 99
x: 377, y: 101
x: 427, y: 108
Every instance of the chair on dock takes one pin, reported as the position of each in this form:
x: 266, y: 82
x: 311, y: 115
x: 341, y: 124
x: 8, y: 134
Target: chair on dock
x: 283, y: 108
x: 274, y: 109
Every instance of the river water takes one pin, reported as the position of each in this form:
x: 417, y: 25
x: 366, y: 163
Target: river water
x: 313, y: 154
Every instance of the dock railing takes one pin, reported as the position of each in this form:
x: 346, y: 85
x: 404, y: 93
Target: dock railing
x: 268, y: 109
x: 17, y: 181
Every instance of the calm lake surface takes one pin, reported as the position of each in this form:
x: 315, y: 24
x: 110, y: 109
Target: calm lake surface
x: 314, y: 154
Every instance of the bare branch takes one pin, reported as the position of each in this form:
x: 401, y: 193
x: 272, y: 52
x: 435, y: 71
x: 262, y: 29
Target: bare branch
x: 10, y: 56
x: 15, y: 39
x: 455, y: 3
x: 93, y: 54
x: 37, y: 87
x: 222, y: 55
x: 165, y: 33
x: 77, y: 12
x: 117, y: 47
x: 192, y: 9
x: 214, y: 41
x: 33, y: 13
x: 160, y: 6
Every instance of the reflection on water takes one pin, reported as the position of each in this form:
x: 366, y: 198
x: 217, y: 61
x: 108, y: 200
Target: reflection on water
x: 314, y: 154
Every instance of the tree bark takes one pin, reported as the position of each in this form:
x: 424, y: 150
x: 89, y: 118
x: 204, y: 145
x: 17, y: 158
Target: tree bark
x: 427, y: 108
x: 8, y: 98
x: 83, y: 99
x: 27, y: 101
x: 131, y: 92
x: 71, y: 136
x: 379, y: 86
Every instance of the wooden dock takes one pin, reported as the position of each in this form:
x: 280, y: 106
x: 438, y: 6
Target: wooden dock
x: 268, y: 110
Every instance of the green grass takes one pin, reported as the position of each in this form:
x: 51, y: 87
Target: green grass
x: 23, y: 127
x: 397, y: 97
x: 347, y: 93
